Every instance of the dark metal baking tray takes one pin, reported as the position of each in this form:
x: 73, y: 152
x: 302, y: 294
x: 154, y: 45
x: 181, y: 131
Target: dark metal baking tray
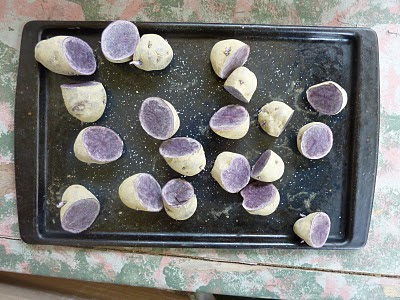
x: 286, y: 59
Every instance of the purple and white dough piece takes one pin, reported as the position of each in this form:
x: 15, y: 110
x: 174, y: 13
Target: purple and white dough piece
x: 260, y: 198
x: 268, y: 168
x: 231, y: 122
x: 85, y: 101
x: 241, y: 84
x: 141, y: 192
x: 315, y: 140
x: 180, y: 201
x: 231, y: 171
x: 313, y: 229
x: 66, y: 55
x: 119, y: 41
x: 327, y: 98
x: 159, y: 118
x: 228, y: 55
x: 274, y: 117
x: 79, y: 209
x: 98, y: 145
x: 184, y: 155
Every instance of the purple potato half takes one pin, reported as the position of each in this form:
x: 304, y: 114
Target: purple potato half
x: 80, y: 215
x: 315, y: 140
x: 231, y: 121
x: 328, y: 98
x: 260, y: 198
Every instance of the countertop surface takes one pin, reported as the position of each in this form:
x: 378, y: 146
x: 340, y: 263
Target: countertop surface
x: 373, y: 271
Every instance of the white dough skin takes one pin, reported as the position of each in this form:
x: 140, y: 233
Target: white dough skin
x: 242, y: 83
x: 274, y: 117
x: 152, y: 53
x: 85, y: 102
x: 303, y: 227
x: 272, y: 171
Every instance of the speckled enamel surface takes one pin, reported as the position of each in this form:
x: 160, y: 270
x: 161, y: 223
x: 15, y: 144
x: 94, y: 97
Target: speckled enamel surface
x: 369, y: 273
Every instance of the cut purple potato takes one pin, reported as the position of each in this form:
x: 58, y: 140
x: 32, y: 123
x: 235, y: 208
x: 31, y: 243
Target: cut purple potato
x: 260, y: 198
x: 66, y: 55
x: 184, y: 155
x: 159, y: 118
x: 141, y: 192
x: 79, y: 209
x: 179, y: 199
x: 98, y: 145
x: 85, y: 101
x: 231, y: 122
x: 119, y: 41
x: 268, y: 168
x: 231, y: 171
x: 241, y: 84
x: 228, y: 55
x: 313, y: 229
x: 315, y: 140
x: 274, y: 117
x: 327, y: 98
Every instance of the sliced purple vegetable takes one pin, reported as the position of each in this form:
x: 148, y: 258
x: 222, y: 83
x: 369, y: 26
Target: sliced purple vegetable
x: 260, y: 198
x: 80, y: 215
x: 328, y: 98
x: 179, y: 146
x: 315, y: 140
x: 231, y: 121
x: 313, y: 229
x: 80, y: 55
x: 180, y: 201
x: 269, y: 167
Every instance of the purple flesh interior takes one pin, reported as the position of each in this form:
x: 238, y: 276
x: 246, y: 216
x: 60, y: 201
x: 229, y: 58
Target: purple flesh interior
x: 79, y: 55
x: 156, y: 118
x: 229, y: 117
x: 180, y: 146
x: 177, y: 192
x: 81, y: 84
x: 326, y: 98
x: 102, y: 143
x: 235, y: 93
x: 237, y: 175
x: 119, y: 40
x: 320, y: 228
x: 260, y: 163
x: 235, y: 61
x: 258, y: 195
x: 317, y: 141
x: 149, y: 192
x: 80, y: 215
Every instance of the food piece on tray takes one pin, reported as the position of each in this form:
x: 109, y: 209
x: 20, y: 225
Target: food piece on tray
x: 315, y: 140
x: 268, y: 168
x: 184, y: 155
x: 152, y: 53
x: 274, y: 117
x: 119, y: 41
x: 98, y: 145
x: 313, y: 229
x: 159, y: 118
x: 141, y: 192
x: 180, y: 201
x: 327, y: 98
x: 228, y: 55
x: 66, y: 55
x: 79, y: 209
x: 241, y: 84
x: 260, y: 198
x: 231, y: 171
x: 85, y: 101
x: 231, y: 122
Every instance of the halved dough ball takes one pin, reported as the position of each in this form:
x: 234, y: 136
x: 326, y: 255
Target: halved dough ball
x: 141, y: 192
x: 152, y: 53
x: 260, y: 198
x: 98, y: 145
x: 231, y: 171
x: 274, y: 117
x: 315, y: 140
x: 241, y: 84
x: 85, y: 101
x: 159, y: 118
x: 184, y: 155
x: 313, y: 229
x: 231, y: 122
x: 79, y: 209
x: 268, y: 168
x: 327, y: 98
x: 179, y: 199
x: 66, y: 55
x: 119, y: 41
x: 228, y: 55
